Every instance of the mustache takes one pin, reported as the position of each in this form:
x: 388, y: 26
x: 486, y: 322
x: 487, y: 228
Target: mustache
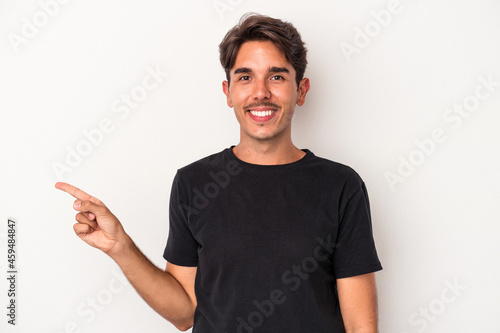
x: 256, y: 105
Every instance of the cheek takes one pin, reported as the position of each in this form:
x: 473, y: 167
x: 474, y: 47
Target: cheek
x: 238, y: 98
x: 286, y: 96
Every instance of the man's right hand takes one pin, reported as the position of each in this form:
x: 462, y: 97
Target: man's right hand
x: 97, y: 226
x: 170, y: 292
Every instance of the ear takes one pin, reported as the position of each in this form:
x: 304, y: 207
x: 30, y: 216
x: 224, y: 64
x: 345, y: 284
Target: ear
x: 303, y: 89
x: 225, y: 89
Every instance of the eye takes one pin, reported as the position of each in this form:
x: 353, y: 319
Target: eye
x: 244, y: 78
x: 277, y: 78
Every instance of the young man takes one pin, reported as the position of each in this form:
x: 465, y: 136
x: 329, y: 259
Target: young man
x: 264, y: 236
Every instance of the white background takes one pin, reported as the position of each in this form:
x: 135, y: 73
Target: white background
x: 437, y: 226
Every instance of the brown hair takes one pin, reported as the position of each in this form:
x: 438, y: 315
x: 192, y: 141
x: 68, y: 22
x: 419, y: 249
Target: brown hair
x: 264, y: 28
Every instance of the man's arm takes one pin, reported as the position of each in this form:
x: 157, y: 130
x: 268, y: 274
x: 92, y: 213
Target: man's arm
x: 358, y: 303
x: 169, y: 292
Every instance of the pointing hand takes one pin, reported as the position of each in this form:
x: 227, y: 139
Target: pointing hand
x: 97, y: 226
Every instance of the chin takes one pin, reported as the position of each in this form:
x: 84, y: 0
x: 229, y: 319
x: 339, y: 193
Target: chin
x: 264, y: 136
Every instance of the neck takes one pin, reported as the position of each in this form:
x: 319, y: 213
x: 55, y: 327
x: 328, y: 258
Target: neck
x: 268, y: 153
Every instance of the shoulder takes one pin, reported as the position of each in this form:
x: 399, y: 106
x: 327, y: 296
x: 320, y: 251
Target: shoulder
x: 338, y: 172
x: 212, y: 160
x: 200, y: 170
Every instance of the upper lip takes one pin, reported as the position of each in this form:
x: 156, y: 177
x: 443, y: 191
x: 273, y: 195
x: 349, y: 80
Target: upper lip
x: 263, y: 107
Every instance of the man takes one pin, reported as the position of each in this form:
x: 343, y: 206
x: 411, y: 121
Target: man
x: 264, y: 236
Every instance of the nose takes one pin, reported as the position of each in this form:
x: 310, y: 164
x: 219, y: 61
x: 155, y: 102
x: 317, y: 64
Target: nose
x: 261, y: 90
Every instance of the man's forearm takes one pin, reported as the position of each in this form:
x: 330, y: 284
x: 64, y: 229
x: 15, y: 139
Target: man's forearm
x: 358, y: 303
x: 368, y: 329
x: 157, y: 287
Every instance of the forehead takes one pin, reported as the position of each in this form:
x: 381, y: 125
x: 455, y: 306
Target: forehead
x: 260, y: 54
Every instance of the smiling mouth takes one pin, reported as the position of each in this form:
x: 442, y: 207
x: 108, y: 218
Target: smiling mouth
x: 264, y: 113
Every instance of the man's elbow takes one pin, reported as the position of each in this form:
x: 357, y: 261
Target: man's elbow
x: 183, y: 328
x: 183, y: 325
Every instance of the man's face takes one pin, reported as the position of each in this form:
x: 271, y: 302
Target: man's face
x: 263, y: 91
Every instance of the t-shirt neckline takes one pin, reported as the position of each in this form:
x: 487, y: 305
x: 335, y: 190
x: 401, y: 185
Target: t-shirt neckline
x: 270, y: 166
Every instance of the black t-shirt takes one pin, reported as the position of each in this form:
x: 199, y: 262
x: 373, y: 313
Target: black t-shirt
x: 269, y: 241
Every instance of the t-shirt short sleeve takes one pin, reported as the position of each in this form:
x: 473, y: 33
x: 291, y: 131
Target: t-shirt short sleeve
x: 182, y: 247
x: 355, y: 253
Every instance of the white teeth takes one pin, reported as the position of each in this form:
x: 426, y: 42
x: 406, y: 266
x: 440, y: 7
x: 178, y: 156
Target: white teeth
x: 261, y: 113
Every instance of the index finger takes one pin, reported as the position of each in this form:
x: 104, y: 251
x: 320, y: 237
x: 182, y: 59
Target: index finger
x: 74, y: 191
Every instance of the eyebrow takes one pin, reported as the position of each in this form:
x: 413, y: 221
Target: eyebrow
x: 279, y: 70
x: 273, y: 69
x: 242, y: 70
